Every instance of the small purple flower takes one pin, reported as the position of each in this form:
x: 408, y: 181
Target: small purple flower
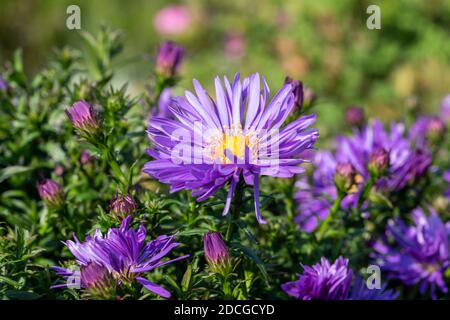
x: 123, y: 205
x: 297, y: 90
x: 51, y: 192
x: 355, y: 116
x: 173, y: 20
x: 421, y: 255
x: 216, y: 251
x: 169, y: 58
x: 322, y: 281
x: 360, y: 291
x: 84, y: 118
x: 124, y: 253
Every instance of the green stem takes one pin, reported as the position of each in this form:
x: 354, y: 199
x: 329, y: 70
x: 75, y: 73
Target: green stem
x: 115, y: 167
x: 366, y: 191
x: 235, y: 210
x: 324, y: 226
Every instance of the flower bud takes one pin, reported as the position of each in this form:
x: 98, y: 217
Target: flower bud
x: 84, y: 119
x: 97, y: 280
x: 51, y: 193
x: 123, y: 205
x: 297, y: 90
x: 379, y: 162
x: 216, y: 251
x: 85, y: 157
x: 169, y: 58
x: 344, y: 177
x: 435, y: 129
x: 354, y: 116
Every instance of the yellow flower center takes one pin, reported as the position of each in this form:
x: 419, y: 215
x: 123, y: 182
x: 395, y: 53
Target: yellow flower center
x: 221, y: 147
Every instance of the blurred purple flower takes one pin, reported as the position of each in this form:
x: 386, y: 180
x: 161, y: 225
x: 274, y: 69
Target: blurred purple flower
x: 234, y: 45
x: 421, y: 255
x: 231, y: 129
x: 124, y: 253
x: 3, y: 84
x: 169, y: 58
x: 322, y: 281
x: 86, y: 157
x: 407, y: 163
x: 354, y: 116
x: 173, y: 20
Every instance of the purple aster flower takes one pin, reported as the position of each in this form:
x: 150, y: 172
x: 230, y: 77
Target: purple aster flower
x: 123, y: 205
x: 216, y: 251
x: 51, y: 192
x: 445, y: 109
x: 360, y: 291
x: 169, y: 58
x: 84, y: 119
x: 355, y: 116
x: 427, y: 129
x: 421, y: 255
x: 124, y: 253
x: 322, y: 281
x: 212, y: 142
x: 297, y: 90
x: 407, y: 163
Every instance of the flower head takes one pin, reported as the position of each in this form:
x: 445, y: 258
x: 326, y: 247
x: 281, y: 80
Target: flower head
x: 379, y: 162
x: 84, y: 119
x: 169, y: 58
x: 216, y: 251
x: 124, y: 253
x: 123, y: 205
x: 322, y: 281
x: 51, y: 192
x: 344, y: 177
x: 212, y: 142
x: 407, y: 162
x: 421, y: 254
x: 360, y: 291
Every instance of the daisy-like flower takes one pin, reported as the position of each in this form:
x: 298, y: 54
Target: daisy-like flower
x: 239, y: 134
x: 326, y: 281
x: 422, y: 252
x: 360, y: 291
x: 393, y: 154
x: 322, y: 281
x: 124, y: 253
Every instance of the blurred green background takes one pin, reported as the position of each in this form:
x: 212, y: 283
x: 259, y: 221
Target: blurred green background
x: 325, y: 43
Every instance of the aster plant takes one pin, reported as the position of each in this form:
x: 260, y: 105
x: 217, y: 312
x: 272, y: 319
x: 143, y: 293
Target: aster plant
x: 122, y: 254
x: 235, y: 130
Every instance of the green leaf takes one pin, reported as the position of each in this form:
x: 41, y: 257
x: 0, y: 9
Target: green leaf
x: 254, y: 257
x: 8, y: 172
x: 186, y: 281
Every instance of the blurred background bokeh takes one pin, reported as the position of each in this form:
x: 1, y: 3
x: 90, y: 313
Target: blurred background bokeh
x: 325, y: 43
